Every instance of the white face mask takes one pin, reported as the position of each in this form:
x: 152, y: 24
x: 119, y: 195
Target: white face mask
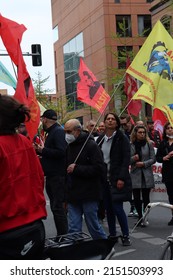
x: 169, y: 136
x: 69, y: 138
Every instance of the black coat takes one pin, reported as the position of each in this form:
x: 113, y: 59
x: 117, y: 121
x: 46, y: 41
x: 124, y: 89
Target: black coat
x: 119, y: 166
x: 167, y: 166
x: 53, y: 153
x: 84, y: 184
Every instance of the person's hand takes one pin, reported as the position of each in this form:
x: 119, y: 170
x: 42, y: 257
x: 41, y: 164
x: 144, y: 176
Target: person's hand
x: 38, y: 147
x: 171, y: 154
x: 120, y: 184
x: 136, y: 157
x: 167, y: 157
x: 139, y: 164
x: 70, y: 168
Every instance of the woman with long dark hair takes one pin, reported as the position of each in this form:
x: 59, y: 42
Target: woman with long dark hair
x: 165, y: 156
x: 22, y: 202
x: 142, y: 159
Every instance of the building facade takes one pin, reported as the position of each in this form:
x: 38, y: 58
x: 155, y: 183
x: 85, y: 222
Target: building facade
x: 89, y: 29
x: 163, y: 10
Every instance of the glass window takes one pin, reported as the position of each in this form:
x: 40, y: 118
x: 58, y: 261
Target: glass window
x: 166, y: 21
x: 72, y: 50
x: 117, y: 1
x: 55, y: 34
x: 123, y: 51
x: 123, y: 25
x: 144, y: 25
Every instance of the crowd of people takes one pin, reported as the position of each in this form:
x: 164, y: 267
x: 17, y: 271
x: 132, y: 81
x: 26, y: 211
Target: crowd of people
x: 88, y: 173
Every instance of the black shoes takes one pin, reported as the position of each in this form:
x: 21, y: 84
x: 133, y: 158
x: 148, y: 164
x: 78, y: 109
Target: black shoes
x: 170, y: 222
x: 126, y: 240
x: 113, y: 238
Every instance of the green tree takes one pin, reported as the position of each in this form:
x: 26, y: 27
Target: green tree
x: 39, y: 84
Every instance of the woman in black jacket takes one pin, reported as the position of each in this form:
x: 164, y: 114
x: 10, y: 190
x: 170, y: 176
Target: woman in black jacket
x: 165, y: 156
x: 118, y: 188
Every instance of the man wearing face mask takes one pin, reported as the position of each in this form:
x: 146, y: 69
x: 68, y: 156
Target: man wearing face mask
x: 84, y: 166
x: 52, y: 154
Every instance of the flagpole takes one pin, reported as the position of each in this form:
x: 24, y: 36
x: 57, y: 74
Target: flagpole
x: 125, y: 107
x: 99, y: 119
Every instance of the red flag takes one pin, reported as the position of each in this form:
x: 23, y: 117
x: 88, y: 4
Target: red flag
x: 159, y: 119
x: 90, y: 91
x: 130, y: 89
x: 11, y: 33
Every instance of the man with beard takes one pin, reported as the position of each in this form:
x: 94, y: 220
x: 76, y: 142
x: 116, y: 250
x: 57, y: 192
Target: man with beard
x: 52, y: 154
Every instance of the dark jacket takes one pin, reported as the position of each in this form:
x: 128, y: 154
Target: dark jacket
x: 155, y: 137
x: 84, y: 183
x: 53, y: 153
x: 167, y: 166
x: 119, y: 164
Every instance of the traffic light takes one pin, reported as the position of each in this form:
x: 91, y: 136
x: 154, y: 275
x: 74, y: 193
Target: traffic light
x: 36, y: 55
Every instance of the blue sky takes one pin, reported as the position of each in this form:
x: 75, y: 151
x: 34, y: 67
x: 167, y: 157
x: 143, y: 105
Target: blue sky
x: 36, y: 16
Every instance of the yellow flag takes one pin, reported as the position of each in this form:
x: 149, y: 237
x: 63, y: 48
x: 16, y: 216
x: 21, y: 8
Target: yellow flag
x: 153, y: 65
x: 144, y: 93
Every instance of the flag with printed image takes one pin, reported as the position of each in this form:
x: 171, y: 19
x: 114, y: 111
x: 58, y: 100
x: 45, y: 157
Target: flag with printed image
x: 90, y: 91
x: 153, y: 66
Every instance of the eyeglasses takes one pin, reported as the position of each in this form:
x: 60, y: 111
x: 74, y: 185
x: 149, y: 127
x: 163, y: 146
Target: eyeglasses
x: 169, y: 127
x: 141, y: 132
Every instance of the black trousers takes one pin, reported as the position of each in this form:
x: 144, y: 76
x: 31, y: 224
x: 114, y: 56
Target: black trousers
x: 137, y: 199
x: 23, y: 243
x: 55, y: 188
x: 169, y: 188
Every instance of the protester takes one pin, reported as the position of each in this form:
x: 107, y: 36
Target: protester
x: 127, y: 127
x: 84, y: 166
x: 22, y: 130
x: 22, y: 202
x: 92, y: 128
x: 117, y: 188
x: 142, y: 159
x: 101, y: 127
x: 153, y: 134
x: 164, y: 155
x: 139, y: 122
x: 52, y: 158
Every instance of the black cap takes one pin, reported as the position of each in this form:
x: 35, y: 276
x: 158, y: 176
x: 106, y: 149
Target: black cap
x: 50, y: 114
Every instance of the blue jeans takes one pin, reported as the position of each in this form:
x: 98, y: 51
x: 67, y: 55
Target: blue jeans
x: 113, y: 210
x: 89, y: 210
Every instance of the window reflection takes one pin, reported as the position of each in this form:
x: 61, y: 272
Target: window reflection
x: 72, y: 50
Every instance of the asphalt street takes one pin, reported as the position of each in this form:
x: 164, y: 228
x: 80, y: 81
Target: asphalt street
x: 147, y: 243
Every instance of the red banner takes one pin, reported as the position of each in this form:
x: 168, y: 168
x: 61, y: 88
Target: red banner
x: 90, y: 91
x: 159, y: 119
x: 130, y: 89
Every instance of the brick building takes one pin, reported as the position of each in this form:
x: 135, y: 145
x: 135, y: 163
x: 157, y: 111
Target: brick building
x: 84, y: 28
